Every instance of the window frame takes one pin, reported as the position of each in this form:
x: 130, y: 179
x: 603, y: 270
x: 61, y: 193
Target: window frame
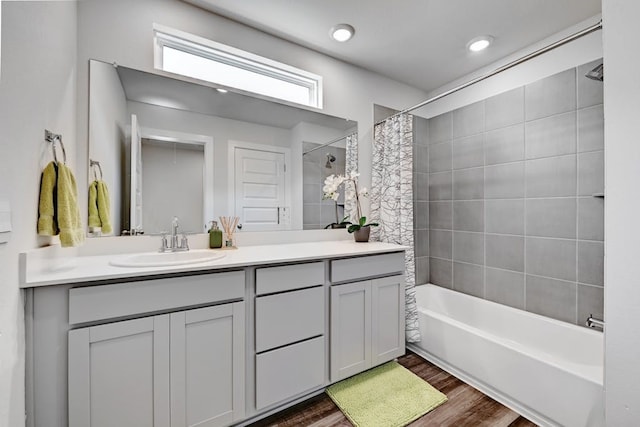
x: 227, y: 55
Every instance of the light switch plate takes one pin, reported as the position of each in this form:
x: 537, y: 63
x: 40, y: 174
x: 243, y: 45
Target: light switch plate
x: 5, y: 221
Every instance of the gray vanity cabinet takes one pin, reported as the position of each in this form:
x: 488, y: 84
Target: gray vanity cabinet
x: 180, y: 369
x: 367, y: 316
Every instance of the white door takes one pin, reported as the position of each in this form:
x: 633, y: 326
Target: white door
x: 135, y: 215
x: 119, y: 374
x: 259, y: 189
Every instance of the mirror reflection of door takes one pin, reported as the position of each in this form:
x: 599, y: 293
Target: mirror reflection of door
x: 260, y: 187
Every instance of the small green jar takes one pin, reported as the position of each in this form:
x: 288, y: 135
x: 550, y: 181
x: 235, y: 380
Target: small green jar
x: 215, y: 236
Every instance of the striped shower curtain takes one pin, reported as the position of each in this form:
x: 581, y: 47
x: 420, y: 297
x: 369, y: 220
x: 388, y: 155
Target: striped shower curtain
x: 392, y: 201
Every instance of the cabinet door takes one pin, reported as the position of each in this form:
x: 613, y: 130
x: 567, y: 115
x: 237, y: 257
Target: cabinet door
x: 350, y: 329
x: 119, y: 374
x: 207, y: 366
x: 387, y: 319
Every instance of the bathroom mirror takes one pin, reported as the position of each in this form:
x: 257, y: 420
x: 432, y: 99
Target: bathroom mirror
x: 170, y: 147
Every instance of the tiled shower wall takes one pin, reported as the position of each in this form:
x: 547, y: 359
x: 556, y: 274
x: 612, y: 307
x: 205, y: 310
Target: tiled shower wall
x: 515, y: 207
x: 316, y: 212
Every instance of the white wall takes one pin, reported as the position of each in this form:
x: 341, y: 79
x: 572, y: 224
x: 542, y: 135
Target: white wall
x: 37, y: 92
x: 622, y: 210
x: 107, y: 132
x: 121, y: 31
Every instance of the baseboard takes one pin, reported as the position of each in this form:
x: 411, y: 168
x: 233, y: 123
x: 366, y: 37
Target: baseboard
x: 496, y: 395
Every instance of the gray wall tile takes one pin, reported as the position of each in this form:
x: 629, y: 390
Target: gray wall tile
x: 311, y: 213
x: 422, y: 270
x: 440, y: 244
x: 441, y: 272
x: 420, y: 158
x: 440, y: 186
x: 421, y: 186
x: 468, y: 279
x: 468, y: 120
x: 504, y: 109
x: 468, y: 152
x: 591, y: 262
x: 441, y: 128
x: 504, y: 216
x: 420, y: 130
x: 551, y: 177
x: 591, y: 129
x: 504, y: 287
x: 468, y: 184
x: 506, y: 252
x: 551, y: 136
x: 551, y: 258
x: 551, y: 218
x: 504, y: 145
x: 441, y: 215
x: 421, y: 242
x: 551, y: 298
x: 590, y: 92
x: 591, y: 218
x: 440, y: 157
x: 421, y: 215
x: 590, y: 301
x: 504, y: 181
x: 312, y: 193
x: 468, y: 247
x: 468, y: 215
x: 552, y: 95
x: 590, y: 173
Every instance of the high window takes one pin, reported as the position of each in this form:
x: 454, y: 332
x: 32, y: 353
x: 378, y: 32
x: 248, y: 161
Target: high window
x: 192, y: 56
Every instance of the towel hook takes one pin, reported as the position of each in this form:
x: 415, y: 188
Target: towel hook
x: 54, y: 138
x: 93, y: 164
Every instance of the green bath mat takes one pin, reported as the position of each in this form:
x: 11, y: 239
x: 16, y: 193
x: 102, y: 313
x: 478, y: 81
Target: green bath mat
x: 386, y: 396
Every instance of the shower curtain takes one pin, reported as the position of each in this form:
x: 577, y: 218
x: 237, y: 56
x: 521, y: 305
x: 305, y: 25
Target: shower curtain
x: 351, y: 166
x: 392, y: 201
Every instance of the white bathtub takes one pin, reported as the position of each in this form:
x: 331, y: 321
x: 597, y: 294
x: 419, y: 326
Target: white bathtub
x: 549, y: 371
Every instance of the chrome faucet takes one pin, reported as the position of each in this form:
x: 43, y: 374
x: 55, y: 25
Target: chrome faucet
x: 592, y: 322
x: 174, y: 246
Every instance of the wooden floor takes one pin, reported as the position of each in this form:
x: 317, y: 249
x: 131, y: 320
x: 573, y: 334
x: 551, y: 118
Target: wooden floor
x: 466, y: 405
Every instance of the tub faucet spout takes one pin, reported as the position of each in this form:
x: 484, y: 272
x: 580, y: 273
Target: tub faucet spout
x: 592, y: 322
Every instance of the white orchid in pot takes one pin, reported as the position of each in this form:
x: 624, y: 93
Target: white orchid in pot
x: 351, y: 193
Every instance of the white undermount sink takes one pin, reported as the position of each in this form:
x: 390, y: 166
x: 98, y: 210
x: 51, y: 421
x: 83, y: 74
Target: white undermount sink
x: 165, y: 259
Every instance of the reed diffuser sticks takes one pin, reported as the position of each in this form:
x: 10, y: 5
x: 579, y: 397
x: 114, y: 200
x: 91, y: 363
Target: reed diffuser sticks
x: 229, y: 224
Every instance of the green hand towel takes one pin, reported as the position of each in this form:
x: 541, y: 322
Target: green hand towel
x: 47, y: 221
x: 94, y: 217
x: 71, y: 232
x: 104, y: 207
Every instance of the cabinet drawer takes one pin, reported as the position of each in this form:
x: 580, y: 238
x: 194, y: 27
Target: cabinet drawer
x: 93, y: 303
x: 289, y: 371
x: 343, y: 270
x: 289, y: 277
x: 289, y: 317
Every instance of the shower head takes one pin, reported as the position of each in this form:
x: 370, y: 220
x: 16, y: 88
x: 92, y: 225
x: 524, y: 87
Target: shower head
x: 330, y: 159
x: 596, y: 74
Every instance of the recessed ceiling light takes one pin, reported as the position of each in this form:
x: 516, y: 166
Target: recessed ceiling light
x: 479, y: 43
x: 221, y: 90
x: 342, y: 32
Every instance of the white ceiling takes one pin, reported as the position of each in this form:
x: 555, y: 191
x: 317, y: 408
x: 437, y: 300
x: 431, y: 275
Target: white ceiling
x: 418, y: 42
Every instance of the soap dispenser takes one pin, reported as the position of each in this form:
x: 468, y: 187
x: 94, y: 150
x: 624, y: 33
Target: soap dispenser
x: 215, y: 236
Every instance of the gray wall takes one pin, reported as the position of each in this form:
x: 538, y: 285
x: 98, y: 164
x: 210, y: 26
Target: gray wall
x: 511, y: 212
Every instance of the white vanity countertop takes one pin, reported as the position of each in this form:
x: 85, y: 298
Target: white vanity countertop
x: 81, y: 269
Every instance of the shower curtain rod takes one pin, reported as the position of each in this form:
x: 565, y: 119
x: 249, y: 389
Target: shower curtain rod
x: 328, y: 143
x: 561, y: 42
